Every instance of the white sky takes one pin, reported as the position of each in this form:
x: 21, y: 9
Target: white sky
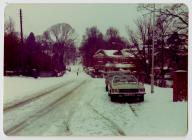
x: 38, y: 17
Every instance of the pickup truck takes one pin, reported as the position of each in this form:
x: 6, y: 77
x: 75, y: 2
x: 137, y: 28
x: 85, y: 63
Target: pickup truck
x: 109, y: 75
x: 125, y: 86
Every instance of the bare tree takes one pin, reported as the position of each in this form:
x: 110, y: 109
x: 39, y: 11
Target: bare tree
x: 170, y: 19
x: 61, y: 33
x: 112, y: 33
x: 114, y: 40
x: 176, y: 15
x: 9, y: 26
x: 92, y: 41
x: 59, y: 42
x: 141, y: 41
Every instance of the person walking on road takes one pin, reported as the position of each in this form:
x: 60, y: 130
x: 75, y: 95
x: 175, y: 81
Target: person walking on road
x: 77, y: 71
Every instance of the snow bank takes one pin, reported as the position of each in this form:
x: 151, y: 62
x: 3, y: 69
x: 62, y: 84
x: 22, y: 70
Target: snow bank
x: 17, y: 89
x: 157, y: 115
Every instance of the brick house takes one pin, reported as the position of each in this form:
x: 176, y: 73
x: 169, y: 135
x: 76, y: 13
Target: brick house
x: 112, y: 60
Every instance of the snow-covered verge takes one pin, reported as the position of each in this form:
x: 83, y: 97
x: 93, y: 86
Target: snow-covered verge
x: 19, y: 89
x: 157, y: 115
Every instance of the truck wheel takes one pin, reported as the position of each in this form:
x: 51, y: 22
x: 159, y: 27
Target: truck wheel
x: 113, y: 98
x: 141, y: 98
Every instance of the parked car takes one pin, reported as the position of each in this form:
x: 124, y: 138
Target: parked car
x: 96, y: 74
x: 34, y: 73
x: 109, y: 75
x: 125, y: 86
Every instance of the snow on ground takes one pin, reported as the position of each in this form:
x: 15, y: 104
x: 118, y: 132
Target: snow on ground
x: 94, y: 114
x: 17, y: 89
x: 100, y: 116
x: 157, y: 115
x: 37, y: 107
x: 47, y: 115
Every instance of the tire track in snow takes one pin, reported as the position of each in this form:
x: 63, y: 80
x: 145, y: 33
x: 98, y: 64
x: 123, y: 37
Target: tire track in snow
x: 73, y: 109
x: 133, y: 110
x: 33, y: 98
x: 119, y: 130
x: 72, y: 112
x: 13, y: 130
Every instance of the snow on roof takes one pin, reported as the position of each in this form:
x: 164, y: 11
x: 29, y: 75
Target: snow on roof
x: 182, y: 53
x: 111, y: 53
x: 180, y: 71
x: 126, y: 53
x: 114, y: 53
x: 109, y: 64
x: 98, y: 54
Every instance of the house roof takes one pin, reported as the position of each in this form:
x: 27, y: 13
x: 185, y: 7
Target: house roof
x: 126, y: 53
x: 113, y: 53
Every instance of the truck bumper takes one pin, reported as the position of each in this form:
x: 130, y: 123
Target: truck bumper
x: 127, y: 94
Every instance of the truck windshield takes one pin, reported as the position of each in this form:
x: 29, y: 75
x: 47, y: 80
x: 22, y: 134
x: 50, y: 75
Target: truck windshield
x: 125, y: 79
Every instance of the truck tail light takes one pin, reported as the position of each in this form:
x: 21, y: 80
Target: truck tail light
x: 115, y: 90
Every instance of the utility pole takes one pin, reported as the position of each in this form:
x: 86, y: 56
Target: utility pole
x: 21, y: 42
x: 153, y: 43
x: 21, y: 26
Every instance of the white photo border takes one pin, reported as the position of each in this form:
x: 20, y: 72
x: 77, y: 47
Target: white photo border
x: 3, y: 3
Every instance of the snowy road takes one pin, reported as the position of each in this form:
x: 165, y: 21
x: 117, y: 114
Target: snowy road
x: 56, y: 112
x: 25, y: 113
x: 80, y: 106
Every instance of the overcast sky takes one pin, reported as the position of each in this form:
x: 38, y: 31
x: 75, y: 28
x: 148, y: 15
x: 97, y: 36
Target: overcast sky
x: 38, y: 17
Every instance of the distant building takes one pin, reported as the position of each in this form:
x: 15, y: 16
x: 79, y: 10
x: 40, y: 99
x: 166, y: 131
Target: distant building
x: 112, y: 60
